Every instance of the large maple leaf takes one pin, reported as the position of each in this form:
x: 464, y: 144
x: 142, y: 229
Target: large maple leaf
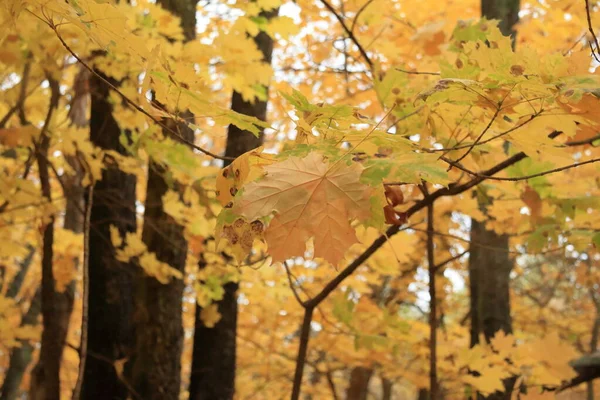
x: 311, y: 198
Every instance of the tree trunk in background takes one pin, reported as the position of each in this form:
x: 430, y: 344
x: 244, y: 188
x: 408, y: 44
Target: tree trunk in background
x: 489, y: 269
x: 73, y: 221
x: 156, y: 360
x: 214, y: 352
x: 387, y: 389
x: 55, y: 307
x: 489, y: 261
x: 21, y: 356
x: 423, y: 394
x: 110, y: 290
x: 506, y: 11
x: 358, y: 388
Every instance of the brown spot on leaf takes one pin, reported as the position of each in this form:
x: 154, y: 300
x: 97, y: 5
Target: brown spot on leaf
x: 517, y: 70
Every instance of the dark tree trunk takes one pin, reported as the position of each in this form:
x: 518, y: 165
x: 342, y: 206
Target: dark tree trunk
x: 423, y: 394
x: 73, y: 221
x: 214, y: 352
x: 489, y: 270
x: 15, y: 285
x: 156, y: 361
x: 56, y: 307
x: 387, y: 389
x: 506, y: 11
x: 110, y: 281
x: 489, y: 261
x: 358, y: 388
x: 20, y: 358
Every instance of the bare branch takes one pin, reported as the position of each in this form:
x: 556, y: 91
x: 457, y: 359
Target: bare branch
x: 349, y: 32
x: 519, y: 178
x: 294, y: 291
x: 416, y: 72
x: 302, y: 350
x: 591, y: 29
x: 358, y: 13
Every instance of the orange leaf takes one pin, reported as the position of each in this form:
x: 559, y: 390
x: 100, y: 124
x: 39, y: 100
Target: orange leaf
x: 310, y: 199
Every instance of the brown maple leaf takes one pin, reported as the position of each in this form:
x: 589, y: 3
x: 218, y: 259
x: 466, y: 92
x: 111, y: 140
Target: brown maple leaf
x: 311, y: 198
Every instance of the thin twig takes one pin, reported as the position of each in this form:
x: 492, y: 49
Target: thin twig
x: 416, y: 72
x: 350, y: 34
x: 591, y: 29
x: 22, y: 95
x: 294, y: 291
x: 483, y: 132
x: 449, y: 260
x: 358, y: 13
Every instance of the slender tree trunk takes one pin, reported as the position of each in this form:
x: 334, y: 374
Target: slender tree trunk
x: 21, y: 357
x: 214, y: 351
x: 594, y: 340
x: 489, y: 261
x: 156, y: 361
x: 56, y: 308
x: 358, y: 389
x: 17, y: 282
x: 73, y: 221
x: 110, y: 281
x: 387, y: 389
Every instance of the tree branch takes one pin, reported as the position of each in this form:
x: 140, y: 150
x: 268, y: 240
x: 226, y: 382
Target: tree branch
x: 519, y: 178
x: 175, y: 135
x: 349, y: 32
x: 302, y: 350
x: 433, y: 380
x: 591, y: 29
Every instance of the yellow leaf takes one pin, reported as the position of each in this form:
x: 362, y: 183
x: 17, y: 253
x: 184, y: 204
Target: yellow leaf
x: 174, y: 207
x: 283, y: 26
x: 489, y: 381
x: 115, y: 236
x: 163, y: 272
x: 18, y: 136
x: 210, y: 315
x: 503, y: 344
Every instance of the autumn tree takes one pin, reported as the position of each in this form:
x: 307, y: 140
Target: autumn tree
x: 158, y: 304
x: 322, y: 252
x: 214, y: 351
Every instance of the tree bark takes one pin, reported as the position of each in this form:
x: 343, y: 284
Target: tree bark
x: 110, y: 281
x: 358, y: 389
x: 214, y: 351
x: 489, y: 269
x: 156, y: 361
x: 73, y: 221
x: 56, y: 308
x: 387, y: 389
x: 489, y: 261
x: 21, y: 357
x: 506, y: 11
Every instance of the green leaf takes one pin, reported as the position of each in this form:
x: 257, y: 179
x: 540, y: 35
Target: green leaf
x: 343, y: 308
x: 407, y: 168
x: 393, y: 81
x: 298, y: 100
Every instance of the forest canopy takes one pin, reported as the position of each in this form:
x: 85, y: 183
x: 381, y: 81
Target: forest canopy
x: 269, y: 199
